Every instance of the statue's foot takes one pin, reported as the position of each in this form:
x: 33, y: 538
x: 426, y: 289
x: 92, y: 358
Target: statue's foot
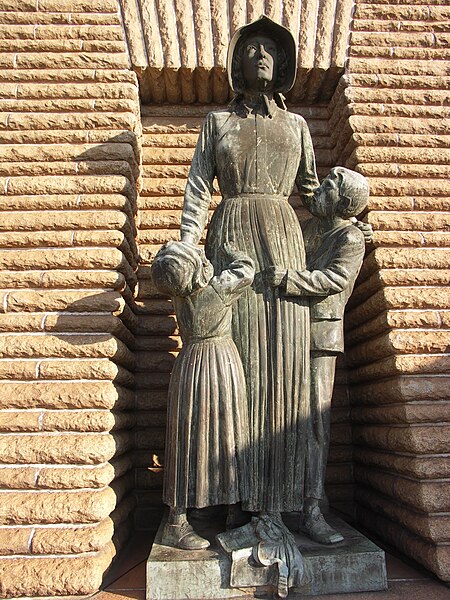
x: 183, y: 537
x: 315, y: 527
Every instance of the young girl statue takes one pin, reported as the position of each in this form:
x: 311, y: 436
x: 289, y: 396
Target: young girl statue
x: 207, y: 430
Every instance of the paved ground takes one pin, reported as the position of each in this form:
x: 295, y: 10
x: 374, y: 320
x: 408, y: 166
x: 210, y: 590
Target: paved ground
x: 126, y: 579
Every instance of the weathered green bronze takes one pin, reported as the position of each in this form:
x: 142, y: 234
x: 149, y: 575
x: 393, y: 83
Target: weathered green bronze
x: 250, y: 394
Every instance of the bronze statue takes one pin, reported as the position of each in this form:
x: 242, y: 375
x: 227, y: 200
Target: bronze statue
x: 276, y: 411
x: 335, y: 250
x: 258, y: 151
x: 207, y: 431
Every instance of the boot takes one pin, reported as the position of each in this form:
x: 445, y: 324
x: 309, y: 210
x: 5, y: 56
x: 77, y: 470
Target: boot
x: 183, y: 536
x: 314, y: 525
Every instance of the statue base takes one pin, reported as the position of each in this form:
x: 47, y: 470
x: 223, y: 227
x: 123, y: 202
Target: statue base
x: 354, y: 565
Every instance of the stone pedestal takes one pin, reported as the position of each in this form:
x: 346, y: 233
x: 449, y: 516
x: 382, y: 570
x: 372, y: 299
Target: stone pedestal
x: 354, y: 565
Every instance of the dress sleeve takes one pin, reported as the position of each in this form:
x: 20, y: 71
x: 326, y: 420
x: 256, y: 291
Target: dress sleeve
x: 334, y: 278
x: 199, y: 187
x: 306, y: 178
x: 234, y: 280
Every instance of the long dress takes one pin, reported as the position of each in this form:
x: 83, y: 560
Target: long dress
x: 207, y: 441
x: 257, y: 160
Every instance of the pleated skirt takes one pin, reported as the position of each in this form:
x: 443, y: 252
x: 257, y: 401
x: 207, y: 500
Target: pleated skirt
x: 206, y: 460
x: 271, y: 333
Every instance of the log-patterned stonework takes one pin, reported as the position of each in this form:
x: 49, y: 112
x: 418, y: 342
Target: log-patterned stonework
x: 78, y: 351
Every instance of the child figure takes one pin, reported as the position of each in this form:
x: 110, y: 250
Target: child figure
x: 207, y: 431
x: 335, y: 251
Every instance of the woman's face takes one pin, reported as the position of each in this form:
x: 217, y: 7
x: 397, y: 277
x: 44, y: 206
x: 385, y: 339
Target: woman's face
x: 259, y: 63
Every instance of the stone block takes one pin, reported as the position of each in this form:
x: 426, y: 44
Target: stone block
x: 61, y: 258
x: 411, y: 221
x: 13, y: 421
x: 400, y: 365
x: 151, y: 399
x: 18, y: 477
x: 417, y: 467
x: 367, y: 124
x: 14, y: 540
x: 81, y: 279
x: 76, y: 90
x: 392, y: 12
x: 155, y: 381
x: 150, y: 438
x: 43, y: 202
x: 401, y: 298
x: 61, y: 220
x: 424, y: 496
x: 88, y: 421
x: 59, y: 576
x: 67, y: 478
x: 399, y: 342
x: 35, y: 239
x: 72, y: 540
x: 156, y: 361
x: 434, y: 528
x: 397, y: 258
x: 416, y: 439
x: 66, y: 121
x: 12, y: 32
x: 370, y: 154
x: 66, y: 346
x: 426, y: 412
x: 59, y: 300
x: 82, y: 323
x: 18, y: 370
x: 435, y: 557
x: 396, y: 319
x: 78, y: 6
x: 91, y: 369
x: 396, y: 278
x: 356, y: 565
x: 62, y: 394
x: 64, y: 448
x: 18, y: 6
x: 42, y: 507
x: 382, y: 39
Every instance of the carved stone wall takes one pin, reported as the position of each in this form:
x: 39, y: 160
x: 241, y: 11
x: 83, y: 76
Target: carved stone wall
x: 69, y: 159
x: 85, y: 345
x: 395, y: 105
x: 179, y: 48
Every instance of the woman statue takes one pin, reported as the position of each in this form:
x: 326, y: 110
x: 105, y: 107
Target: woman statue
x: 258, y: 151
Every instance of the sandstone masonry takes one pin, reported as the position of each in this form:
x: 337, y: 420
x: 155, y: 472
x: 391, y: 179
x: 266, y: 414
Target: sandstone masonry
x: 91, y: 184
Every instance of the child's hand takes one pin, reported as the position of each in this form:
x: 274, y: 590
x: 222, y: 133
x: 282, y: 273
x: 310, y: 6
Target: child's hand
x: 274, y: 276
x: 365, y: 228
x: 232, y: 253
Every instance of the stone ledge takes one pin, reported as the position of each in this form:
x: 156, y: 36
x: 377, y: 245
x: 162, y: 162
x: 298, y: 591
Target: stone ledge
x: 435, y: 557
x: 43, y: 507
x: 392, y: 366
x: 65, y: 395
x: 425, y: 496
x: 54, y: 576
x: 415, y: 439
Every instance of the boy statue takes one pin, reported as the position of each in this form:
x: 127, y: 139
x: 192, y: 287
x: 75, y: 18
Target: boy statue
x: 335, y: 251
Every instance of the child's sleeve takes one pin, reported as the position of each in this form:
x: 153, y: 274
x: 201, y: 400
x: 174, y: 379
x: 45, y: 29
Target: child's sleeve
x: 235, y: 279
x: 335, y: 276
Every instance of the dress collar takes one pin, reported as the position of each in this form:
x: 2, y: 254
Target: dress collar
x: 258, y: 104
